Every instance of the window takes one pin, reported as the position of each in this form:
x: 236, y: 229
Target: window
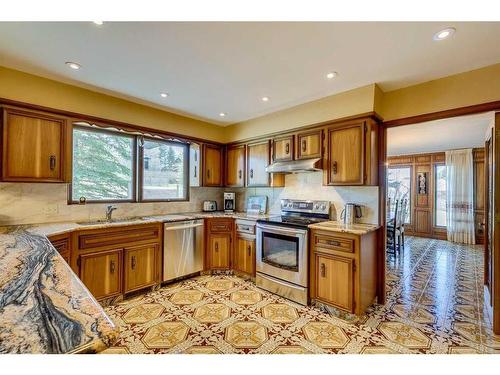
x: 107, y: 167
x: 103, y: 166
x: 399, y: 187
x: 164, y: 173
x: 440, y: 196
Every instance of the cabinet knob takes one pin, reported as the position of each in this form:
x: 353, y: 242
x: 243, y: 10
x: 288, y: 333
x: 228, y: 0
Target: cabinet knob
x: 334, y: 167
x: 249, y: 248
x: 208, y: 173
x: 52, y: 162
x: 287, y: 148
x: 323, y: 270
x: 240, y: 174
x: 251, y: 173
x: 133, y: 262
x: 195, y: 172
x: 112, y: 266
x: 216, y: 246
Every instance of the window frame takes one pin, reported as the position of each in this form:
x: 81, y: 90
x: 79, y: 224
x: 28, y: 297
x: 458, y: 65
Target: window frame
x: 434, y: 209
x: 410, y: 193
x: 140, y: 169
x: 137, y: 163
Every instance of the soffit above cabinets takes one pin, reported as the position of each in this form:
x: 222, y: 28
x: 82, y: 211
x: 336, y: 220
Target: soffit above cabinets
x: 209, y: 68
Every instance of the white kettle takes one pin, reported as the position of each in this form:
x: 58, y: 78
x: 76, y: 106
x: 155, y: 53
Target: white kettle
x: 350, y: 213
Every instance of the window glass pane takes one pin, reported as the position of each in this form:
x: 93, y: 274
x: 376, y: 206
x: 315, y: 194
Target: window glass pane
x: 164, y: 170
x: 440, y: 204
x: 102, y: 165
x: 399, y: 187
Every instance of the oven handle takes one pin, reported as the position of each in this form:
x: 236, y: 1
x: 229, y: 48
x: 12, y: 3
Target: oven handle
x: 276, y: 229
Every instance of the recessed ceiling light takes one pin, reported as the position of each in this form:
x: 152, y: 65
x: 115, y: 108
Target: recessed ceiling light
x: 222, y: 114
x: 331, y: 75
x: 444, y: 34
x: 164, y: 94
x: 73, y: 65
x: 265, y: 98
x: 98, y: 23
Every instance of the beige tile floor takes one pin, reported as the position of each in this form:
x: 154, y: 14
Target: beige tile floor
x: 434, y: 305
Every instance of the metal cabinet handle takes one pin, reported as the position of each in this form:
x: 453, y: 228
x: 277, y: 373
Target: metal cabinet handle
x: 112, y: 266
x: 334, y: 167
x: 249, y: 248
x: 323, y: 270
x: 333, y: 243
x: 240, y: 174
x: 251, y: 173
x: 52, y: 162
x: 216, y: 246
x: 208, y: 173
x: 195, y: 171
x: 287, y: 148
x: 196, y: 156
x: 304, y: 145
x: 133, y: 262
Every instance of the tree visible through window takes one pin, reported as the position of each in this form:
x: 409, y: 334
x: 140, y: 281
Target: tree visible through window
x: 440, y: 196
x: 102, y: 165
x: 399, y: 187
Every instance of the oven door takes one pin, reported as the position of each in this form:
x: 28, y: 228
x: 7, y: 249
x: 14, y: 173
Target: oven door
x: 282, y: 253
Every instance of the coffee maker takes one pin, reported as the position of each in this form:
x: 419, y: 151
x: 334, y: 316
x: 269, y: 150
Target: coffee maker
x: 229, y: 202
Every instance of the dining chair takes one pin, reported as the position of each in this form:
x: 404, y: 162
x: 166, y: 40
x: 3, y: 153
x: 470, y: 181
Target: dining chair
x: 392, y: 230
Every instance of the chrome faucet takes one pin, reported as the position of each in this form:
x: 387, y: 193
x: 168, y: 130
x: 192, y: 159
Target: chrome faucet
x: 109, y: 212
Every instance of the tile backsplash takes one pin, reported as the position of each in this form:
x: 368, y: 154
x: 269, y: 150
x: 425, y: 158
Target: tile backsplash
x: 26, y: 203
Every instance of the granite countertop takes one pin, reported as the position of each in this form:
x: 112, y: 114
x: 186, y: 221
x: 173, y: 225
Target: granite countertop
x: 44, y: 307
x: 339, y: 227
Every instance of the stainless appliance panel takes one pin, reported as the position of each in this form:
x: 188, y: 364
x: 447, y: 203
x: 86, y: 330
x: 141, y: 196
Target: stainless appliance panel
x: 183, y: 248
x: 282, y: 253
x: 293, y: 292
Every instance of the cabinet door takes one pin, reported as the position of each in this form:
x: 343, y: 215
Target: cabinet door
x: 33, y: 146
x: 212, y: 165
x: 141, y: 267
x: 62, y: 243
x: 219, y: 248
x: 102, y: 273
x: 309, y: 144
x: 335, y: 281
x: 283, y: 148
x: 244, y: 255
x: 257, y: 161
x: 235, y: 166
x: 346, y: 155
x: 194, y: 165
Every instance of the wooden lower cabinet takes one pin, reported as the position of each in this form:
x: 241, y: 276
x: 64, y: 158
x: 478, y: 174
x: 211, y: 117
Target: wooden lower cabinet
x: 343, y: 269
x: 219, y: 249
x: 141, y: 267
x: 102, y: 273
x: 335, y: 280
x: 62, y: 244
x: 244, y: 254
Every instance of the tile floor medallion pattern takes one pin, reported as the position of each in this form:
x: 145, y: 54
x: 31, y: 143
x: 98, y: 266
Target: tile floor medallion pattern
x: 434, y: 305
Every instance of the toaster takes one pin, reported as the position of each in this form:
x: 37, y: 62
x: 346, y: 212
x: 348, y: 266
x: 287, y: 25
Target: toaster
x: 209, y: 206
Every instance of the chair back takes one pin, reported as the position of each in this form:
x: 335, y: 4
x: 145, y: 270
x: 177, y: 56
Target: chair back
x: 400, y: 217
x: 393, y: 222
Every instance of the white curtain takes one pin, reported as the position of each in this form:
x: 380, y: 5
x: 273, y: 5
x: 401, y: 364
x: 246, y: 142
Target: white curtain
x: 460, y: 196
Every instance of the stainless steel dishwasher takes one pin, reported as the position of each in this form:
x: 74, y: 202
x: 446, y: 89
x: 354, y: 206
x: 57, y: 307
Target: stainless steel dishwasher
x: 183, y: 247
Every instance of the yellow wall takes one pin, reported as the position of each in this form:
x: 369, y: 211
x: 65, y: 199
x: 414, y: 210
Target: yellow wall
x: 16, y: 85
x: 345, y: 104
x: 460, y: 90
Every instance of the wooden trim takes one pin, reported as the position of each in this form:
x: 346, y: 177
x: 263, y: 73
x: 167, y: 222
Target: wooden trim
x: 455, y: 112
x: 102, y: 122
x: 382, y: 232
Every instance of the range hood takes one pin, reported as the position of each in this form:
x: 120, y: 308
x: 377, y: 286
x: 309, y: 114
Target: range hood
x: 295, y: 166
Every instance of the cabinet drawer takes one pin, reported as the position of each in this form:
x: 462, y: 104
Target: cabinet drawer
x: 334, y: 243
x: 221, y: 226
x: 115, y: 237
x: 62, y: 244
x: 245, y: 228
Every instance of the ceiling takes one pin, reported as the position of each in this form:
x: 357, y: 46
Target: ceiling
x: 439, y: 135
x: 213, y: 67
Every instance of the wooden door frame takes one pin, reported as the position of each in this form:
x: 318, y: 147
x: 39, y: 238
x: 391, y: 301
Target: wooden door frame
x: 413, y: 120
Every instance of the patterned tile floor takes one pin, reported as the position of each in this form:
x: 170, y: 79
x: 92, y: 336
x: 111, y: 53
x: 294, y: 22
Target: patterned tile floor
x: 434, y: 305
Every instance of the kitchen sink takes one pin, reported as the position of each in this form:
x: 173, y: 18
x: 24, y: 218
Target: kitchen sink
x: 104, y: 221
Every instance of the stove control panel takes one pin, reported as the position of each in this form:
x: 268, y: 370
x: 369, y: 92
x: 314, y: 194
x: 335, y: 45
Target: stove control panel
x: 307, y: 206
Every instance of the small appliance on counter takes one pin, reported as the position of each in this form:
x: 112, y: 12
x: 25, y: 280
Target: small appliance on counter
x: 209, y: 206
x: 229, y: 202
x: 350, y: 213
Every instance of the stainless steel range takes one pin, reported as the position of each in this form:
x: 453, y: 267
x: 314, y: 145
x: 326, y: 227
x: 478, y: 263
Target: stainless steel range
x: 282, y: 248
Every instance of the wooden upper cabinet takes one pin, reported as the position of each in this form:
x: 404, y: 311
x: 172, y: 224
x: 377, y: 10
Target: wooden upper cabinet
x: 35, y: 146
x: 283, y: 148
x: 212, y: 165
x: 102, y: 273
x: 309, y: 144
x: 141, y: 266
x: 235, y: 166
x: 257, y: 161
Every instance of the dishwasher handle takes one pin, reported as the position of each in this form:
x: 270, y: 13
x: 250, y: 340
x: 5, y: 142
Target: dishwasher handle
x: 179, y: 227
